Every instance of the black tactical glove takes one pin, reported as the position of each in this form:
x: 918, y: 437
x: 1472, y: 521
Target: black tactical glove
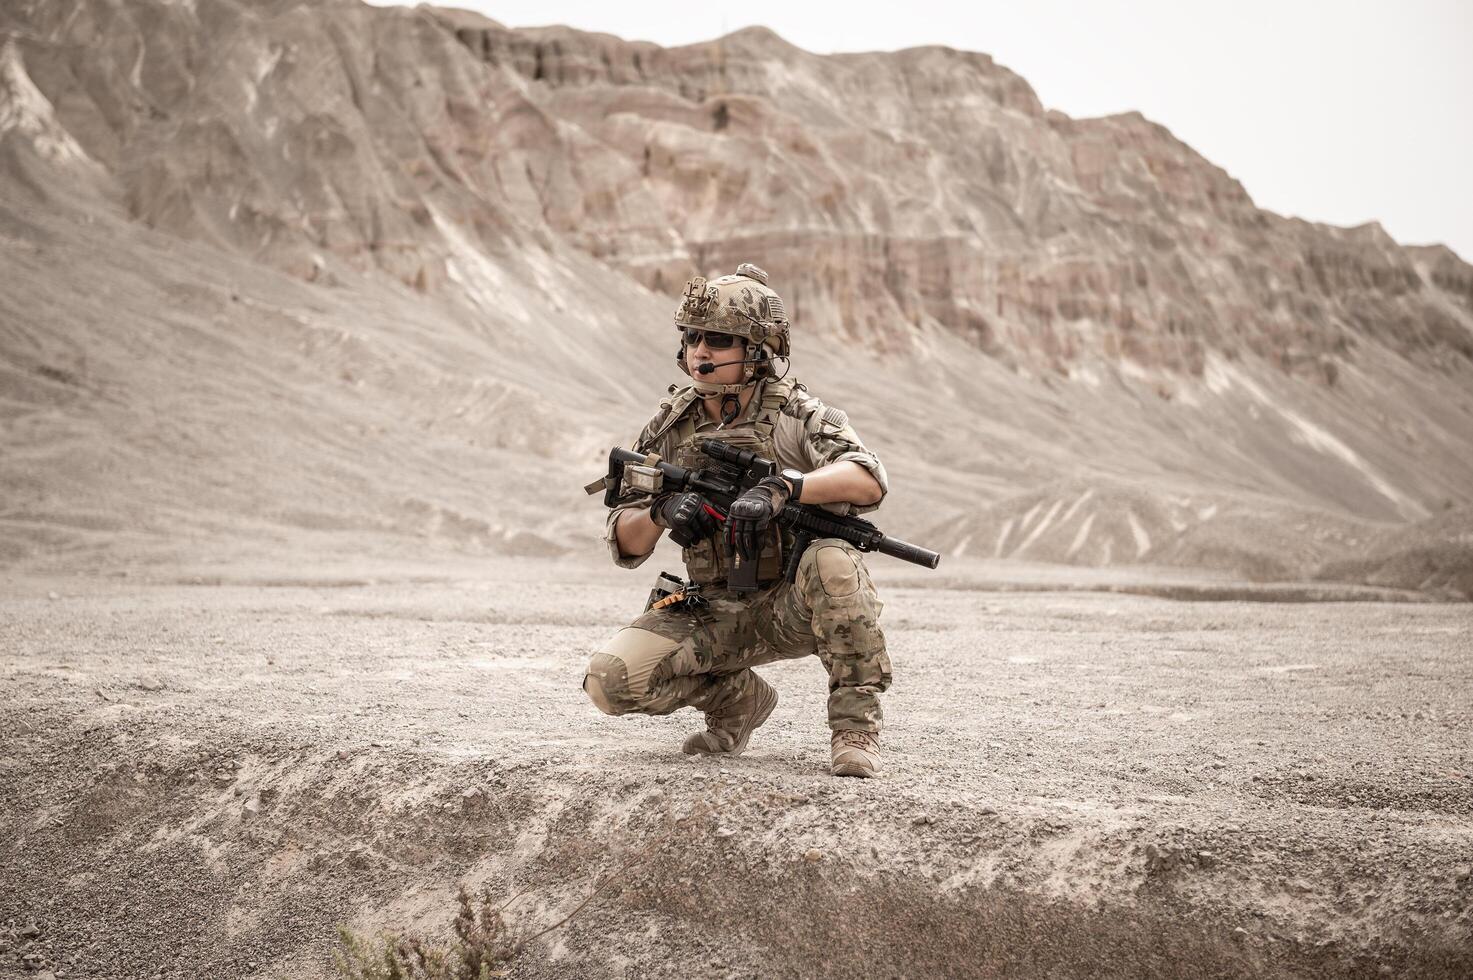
x: 750, y: 514
x: 689, y: 516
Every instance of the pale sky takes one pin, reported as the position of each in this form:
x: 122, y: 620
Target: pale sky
x: 1342, y: 112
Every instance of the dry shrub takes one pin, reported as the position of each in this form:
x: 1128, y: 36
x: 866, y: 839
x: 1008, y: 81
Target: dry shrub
x: 485, y: 943
x: 482, y: 948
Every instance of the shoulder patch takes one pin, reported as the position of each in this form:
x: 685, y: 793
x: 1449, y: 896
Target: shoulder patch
x: 835, y: 417
x: 814, y: 413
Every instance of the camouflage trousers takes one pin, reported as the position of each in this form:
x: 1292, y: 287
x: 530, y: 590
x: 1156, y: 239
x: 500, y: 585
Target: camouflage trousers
x: 674, y: 658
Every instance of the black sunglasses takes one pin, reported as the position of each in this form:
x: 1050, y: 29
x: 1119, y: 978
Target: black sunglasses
x: 714, y: 341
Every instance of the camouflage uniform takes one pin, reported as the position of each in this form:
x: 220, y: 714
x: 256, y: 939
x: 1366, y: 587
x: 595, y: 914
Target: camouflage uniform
x: 672, y: 658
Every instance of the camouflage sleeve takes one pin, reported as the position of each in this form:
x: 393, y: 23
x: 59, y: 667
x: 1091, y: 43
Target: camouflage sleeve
x: 826, y: 436
x: 631, y: 501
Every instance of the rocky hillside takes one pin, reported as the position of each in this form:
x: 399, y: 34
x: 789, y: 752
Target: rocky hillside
x: 377, y: 272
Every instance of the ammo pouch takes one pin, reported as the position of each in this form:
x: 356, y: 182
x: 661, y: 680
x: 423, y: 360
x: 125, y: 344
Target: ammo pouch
x: 709, y: 561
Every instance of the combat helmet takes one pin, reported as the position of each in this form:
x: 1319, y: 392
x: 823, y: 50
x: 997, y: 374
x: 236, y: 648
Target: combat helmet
x: 742, y: 304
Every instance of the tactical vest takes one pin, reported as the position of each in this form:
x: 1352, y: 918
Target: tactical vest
x: 708, y: 561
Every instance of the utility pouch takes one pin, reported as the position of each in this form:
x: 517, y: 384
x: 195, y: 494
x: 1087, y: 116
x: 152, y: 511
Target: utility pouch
x: 666, y: 584
x: 643, y: 479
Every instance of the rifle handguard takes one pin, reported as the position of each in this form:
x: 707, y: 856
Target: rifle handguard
x: 810, y: 519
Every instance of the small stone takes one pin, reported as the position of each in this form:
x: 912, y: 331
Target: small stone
x: 344, y: 755
x: 725, y: 832
x: 1240, y: 933
x: 987, y: 811
x: 923, y: 819
x: 813, y: 855
x: 151, y: 684
x: 1206, y: 859
x: 994, y: 745
x: 252, y: 806
x: 30, y: 931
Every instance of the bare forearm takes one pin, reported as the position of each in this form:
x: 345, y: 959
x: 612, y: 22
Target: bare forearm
x: 636, y: 533
x: 842, y: 482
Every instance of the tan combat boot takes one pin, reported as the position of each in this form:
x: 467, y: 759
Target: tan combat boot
x: 855, y: 753
x: 727, y: 732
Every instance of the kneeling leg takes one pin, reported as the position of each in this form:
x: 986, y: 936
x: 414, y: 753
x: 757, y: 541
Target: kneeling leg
x: 667, y: 660
x: 835, y: 586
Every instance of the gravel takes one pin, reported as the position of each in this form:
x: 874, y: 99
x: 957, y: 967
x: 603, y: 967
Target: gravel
x: 1257, y: 797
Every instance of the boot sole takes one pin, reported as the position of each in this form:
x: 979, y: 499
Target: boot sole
x: 763, y: 713
x: 854, y: 769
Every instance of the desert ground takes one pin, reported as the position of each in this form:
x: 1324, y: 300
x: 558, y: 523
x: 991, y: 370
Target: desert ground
x: 206, y: 769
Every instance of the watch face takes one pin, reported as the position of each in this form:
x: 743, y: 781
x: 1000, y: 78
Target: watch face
x: 792, y: 474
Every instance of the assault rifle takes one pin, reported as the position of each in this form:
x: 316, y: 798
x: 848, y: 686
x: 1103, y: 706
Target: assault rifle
x: 733, y: 471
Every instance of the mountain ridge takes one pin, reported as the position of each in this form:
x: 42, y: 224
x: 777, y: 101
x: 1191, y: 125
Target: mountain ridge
x: 480, y: 209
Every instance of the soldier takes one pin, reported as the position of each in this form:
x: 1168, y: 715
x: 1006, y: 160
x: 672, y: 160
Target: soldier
x: 732, y: 329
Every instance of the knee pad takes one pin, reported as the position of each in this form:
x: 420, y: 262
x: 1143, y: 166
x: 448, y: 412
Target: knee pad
x: 837, y: 571
x: 607, y: 684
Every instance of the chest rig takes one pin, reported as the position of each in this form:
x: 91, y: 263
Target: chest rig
x: 708, y: 561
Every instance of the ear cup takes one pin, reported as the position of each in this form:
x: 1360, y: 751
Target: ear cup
x: 763, y: 367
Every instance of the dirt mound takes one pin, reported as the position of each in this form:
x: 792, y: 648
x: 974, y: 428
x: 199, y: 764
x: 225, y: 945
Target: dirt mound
x: 1103, y: 523
x: 1433, y: 556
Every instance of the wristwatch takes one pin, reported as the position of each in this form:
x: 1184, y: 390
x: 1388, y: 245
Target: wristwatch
x: 796, y: 479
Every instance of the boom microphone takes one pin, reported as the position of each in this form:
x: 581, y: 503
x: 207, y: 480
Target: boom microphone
x: 706, y: 367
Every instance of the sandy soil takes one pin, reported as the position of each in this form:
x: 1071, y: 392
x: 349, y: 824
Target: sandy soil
x: 204, y: 773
